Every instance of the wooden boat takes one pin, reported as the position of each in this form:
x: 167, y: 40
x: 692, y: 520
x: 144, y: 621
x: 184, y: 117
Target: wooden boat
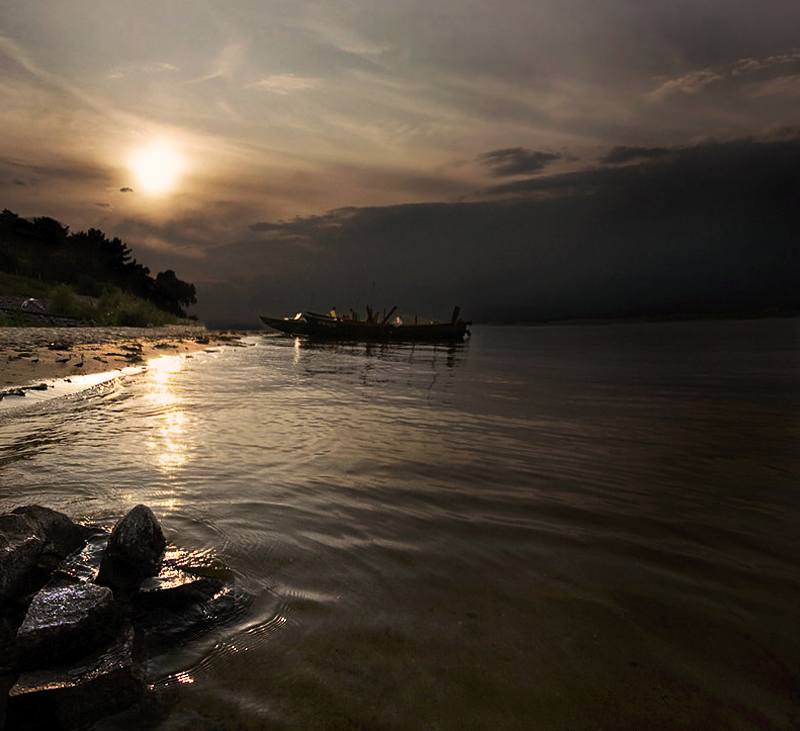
x: 432, y: 331
x: 337, y: 327
x: 346, y: 328
x: 296, y: 325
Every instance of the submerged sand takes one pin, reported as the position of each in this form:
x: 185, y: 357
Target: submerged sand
x: 33, y: 355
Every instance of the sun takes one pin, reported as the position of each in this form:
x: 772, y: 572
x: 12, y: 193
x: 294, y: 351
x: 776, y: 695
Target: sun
x: 157, y: 168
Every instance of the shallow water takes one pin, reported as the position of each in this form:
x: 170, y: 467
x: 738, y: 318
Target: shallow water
x: 555, y: 528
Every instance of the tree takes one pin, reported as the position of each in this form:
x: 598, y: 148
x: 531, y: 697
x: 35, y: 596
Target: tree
x: 49, y: 231
x: 172, y: 293
x: 88, y: 261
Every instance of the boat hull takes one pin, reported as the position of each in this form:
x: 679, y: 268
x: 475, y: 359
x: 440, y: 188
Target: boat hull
x: 288, y: 325
x: 322, y: 326
x: 326, y: 326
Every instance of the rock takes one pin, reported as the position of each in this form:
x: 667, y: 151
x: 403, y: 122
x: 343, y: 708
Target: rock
x: 71, y: 696
x: 33, y: 540
x: 78, y: 607
x: 64, y: 622
x: 134, y: 551
x: 83, y: 565
x: 178, y: 604
x: 189, y: 615
x: 61, y: 535
x: 20, y: 572
x: 175, y: 589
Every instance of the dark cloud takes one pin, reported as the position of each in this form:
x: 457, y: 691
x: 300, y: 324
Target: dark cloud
x: 126, y: 189
x: 703, y: 229
x: 72, y: 171
x: 621, y: 155
x: 708, y: 229
x: 788, y: 132
x: 516, y: 161
x: 304, y: 227
x: 266, y: 226
x: 710, y: 169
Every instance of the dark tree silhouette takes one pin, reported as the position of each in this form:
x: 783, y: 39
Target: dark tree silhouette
x: 174, y: 293
x: 49, y: 231
x: 42, y: 248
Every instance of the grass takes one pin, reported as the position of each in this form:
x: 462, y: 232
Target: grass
x: 23, y: 286
x: 122, y: 308
x: 114, y: 307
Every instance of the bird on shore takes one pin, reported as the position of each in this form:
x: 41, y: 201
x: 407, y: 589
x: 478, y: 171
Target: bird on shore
x: 80, y: 363
x: 64, y: 360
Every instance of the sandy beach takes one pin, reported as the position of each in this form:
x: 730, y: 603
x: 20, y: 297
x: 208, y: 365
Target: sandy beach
x: 30, y: 356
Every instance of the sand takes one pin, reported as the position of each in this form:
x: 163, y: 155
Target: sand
x: 30, y: 356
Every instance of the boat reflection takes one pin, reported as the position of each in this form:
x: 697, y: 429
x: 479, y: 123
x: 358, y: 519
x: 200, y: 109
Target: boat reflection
x: 408, y: 365
x: 449, y: 354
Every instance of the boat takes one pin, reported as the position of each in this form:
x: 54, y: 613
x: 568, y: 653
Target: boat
x: 338, y: 327
x: 296, y: 325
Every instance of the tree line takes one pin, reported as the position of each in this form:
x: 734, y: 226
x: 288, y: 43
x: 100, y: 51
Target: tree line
x: 44, y: 249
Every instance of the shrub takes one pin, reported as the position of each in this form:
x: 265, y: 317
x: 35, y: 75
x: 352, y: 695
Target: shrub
x: 126, y: 310
x: 64, y: 303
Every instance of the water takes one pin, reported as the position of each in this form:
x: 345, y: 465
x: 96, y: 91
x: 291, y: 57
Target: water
x: 544, y: 528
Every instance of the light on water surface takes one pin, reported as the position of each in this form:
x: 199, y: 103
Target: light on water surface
x: 167, y: 438
x: 546, y: 528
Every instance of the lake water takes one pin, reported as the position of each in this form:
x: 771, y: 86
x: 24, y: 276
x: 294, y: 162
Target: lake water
x: 544, y: 528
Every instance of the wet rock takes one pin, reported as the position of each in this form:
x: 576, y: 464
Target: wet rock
x: 61, y: 535
x: 64, y: 622
x: 83, y: 565
x: 175, y: 589
x: 20, y: 572
x: 134, y: 551
x: 79, y: 606
x: 73, y: 695
x: 33, y: 540
x: 177, y: 605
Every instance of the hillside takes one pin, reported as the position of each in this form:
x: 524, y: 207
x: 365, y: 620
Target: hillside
x: 83, y: 275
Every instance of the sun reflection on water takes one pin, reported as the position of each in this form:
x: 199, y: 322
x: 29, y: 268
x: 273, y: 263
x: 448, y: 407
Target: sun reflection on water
x: 167, y: 439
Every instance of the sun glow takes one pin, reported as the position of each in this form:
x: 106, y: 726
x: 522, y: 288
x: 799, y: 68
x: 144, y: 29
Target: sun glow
x: 157, y: 168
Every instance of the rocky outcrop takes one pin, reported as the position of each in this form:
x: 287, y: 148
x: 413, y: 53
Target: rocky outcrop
x: 33, y: 540
x: 65, y: 622
x: 134, y: 552
x: 81, y: 609
x: 71, y: 696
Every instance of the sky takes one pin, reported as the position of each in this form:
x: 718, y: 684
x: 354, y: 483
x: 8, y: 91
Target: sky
x: 523, y: 159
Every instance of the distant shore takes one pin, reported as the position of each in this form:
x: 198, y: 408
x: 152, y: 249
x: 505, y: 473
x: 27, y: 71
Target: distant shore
x: 32, y: 355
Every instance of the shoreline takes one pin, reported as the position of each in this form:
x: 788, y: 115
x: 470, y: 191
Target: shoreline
x: 30, y: 356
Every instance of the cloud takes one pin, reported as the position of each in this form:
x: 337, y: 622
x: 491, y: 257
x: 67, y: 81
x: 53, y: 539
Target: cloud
x: 516, y: 161
x: 315, y: 108
x: 227, y: 62
x: 285, y: 84
x: 691, y: 83
x: 705, y: 229
x: 151, y: 69
x: 622, y: 154
x: 68, y: 170
x: 768, y: 71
